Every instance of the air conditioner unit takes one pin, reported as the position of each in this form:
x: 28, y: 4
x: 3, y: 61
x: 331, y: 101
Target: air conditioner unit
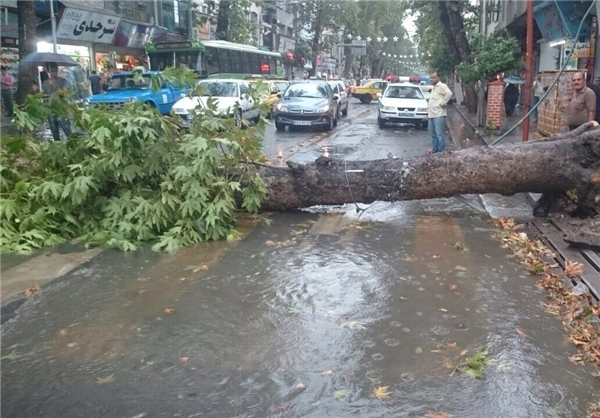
x: 195, y: 34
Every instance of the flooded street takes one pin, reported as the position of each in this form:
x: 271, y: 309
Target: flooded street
x: 309, y: 315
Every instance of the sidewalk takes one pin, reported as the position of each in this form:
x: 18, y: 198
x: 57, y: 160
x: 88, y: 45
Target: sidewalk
x: 482, y: 133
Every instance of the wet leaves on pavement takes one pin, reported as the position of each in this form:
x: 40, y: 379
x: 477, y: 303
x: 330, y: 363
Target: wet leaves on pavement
x: 452, y: 287
x: 476, y: 364
x: 460, y: 246
x: 196, y: 269
x: 340, y: 394
x: 573, y: 269
x: 105, y: 380
x: 382, y: 392
x: 11, y: 356
x: 327, y: 373
x: 31, y: 290
x: 418, y: 350
x: 169, y: 310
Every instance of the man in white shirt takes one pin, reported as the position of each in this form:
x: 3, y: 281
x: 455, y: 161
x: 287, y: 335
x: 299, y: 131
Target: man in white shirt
x: 436, y: 110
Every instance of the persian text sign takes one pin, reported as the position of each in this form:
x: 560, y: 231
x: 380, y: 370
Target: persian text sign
x: 79, y: 25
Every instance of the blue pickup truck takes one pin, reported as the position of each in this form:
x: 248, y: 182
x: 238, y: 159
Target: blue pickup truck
x: 126, y: 88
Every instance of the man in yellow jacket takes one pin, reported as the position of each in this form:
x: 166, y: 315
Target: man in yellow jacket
x: 436, y: 110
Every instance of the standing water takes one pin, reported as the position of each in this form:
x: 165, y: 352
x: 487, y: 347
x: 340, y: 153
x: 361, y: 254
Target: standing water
x: 316, y: 315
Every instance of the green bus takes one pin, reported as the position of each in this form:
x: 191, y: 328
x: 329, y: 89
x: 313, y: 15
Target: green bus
x: 216, y: 59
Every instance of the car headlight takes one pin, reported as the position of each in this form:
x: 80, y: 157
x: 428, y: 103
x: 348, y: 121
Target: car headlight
x: 85, y: 103
x: 132, y: 99
x: 323, y: 109
x: 281, y: 107
x: 421, y: 109
x: 389, y: 109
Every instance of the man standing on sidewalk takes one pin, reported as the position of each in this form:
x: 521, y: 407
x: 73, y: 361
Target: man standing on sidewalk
x: 6, y: 83
x: 582, y: 108
x: 436, y: 110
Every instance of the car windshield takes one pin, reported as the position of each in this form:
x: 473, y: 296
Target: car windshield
x: 127, y: 82
x: 220, y: 88
x: 401, y: 92
x: 308, y: 90
x: 281, y: 86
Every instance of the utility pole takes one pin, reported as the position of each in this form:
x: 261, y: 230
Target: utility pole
x: 53, y: 24
x: 528, y: 68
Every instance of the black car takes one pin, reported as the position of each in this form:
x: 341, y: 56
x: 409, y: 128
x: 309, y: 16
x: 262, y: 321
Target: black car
x: 307, y: 103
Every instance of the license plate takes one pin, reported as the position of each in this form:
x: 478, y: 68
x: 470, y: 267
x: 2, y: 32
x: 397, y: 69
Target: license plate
x: 405, y: 115
x: 302, y: 122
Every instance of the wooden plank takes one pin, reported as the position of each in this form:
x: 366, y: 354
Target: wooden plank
x: 590, y: 276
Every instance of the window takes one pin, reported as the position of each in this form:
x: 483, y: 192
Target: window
x: 225, y: 60
x: 212, y: 60
x: 236, y: 62
x: 255, y: 63
x: 244, y: 89
x: 202, y: 64
x: 247, y: 62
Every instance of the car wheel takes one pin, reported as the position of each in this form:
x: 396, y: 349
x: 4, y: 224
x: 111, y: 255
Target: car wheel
x: 424, y: 125
x: 345, y: 111
x: 381, y: 123
x: 337, y: 117
x: 280, y: 127
x: 368, y: 99
x: 363, y: 99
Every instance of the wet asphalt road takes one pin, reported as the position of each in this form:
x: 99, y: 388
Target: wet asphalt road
x: 308, y: 316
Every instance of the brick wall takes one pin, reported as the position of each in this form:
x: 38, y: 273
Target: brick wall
x: 553, y: 113
x: 495, y: 103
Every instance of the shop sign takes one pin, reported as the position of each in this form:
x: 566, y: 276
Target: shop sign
x: 582, y: 50
x: 204, y: 31
x: 136, y: 35
x: 79, y: 25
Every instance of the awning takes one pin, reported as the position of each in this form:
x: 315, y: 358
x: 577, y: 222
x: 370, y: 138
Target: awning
x: 559, y: 20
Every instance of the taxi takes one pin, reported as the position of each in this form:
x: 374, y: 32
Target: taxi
x: 368, y: 92
x: 271, y: 96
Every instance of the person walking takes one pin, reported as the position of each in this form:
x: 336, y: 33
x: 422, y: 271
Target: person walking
x: 436, y: 111
x: 511, y: 98
x: 538, y: 92
x: 6, y: 83
x: 95, y: 83
x: 582, y: 108
x: 51, y: 86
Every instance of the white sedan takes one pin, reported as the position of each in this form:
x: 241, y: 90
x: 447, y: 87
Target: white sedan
x: 227, y: 94
x: 402, y: 103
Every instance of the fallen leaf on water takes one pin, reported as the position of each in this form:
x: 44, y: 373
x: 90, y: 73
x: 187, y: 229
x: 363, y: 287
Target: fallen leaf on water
x: 452, y: 287
x: 520, y: 331
x: 461, y: 268
x: 11, y: 356
x: 169, y: 310
x: 409, y: 259
x: 443, y: 310
x: 573, y: 268
x: 459, y: 246
x: 180, y: 396
x: 464, y: 353
x: 300, y: 386
x: 196, y: 269
x: 438, y: 415
x: 181, y: 279
x: 327, y: 373
x: 339, y: 394
x: 31, y: 290
x: 419, y: 350
x: 449, y: 364
x: 577, y: 358
x: 382, y: 392
x: 105, y: 380
x: 330, y: 313
x: 293, y: 311
x: 488, y: 256
x: 355, y: 325
x: 64, y: 332
x: 451, y: 345
x: 436, y: 256
x: 183, y: 359
x: 403, y: 298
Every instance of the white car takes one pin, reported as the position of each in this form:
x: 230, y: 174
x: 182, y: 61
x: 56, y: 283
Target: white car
x: 426, y: 91
x: 402, y: 103
x: 227, y: 93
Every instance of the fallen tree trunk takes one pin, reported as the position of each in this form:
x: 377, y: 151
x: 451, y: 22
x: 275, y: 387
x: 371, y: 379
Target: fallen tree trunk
x: 568, y: 162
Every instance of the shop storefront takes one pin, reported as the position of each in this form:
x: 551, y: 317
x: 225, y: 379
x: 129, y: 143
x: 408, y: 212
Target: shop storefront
x: 9, y: 52
x: 127, y: 49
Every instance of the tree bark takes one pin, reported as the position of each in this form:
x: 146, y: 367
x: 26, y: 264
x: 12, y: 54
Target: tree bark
x: 454, y: 31
x: 27, y: 36
x: 570, y: 162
